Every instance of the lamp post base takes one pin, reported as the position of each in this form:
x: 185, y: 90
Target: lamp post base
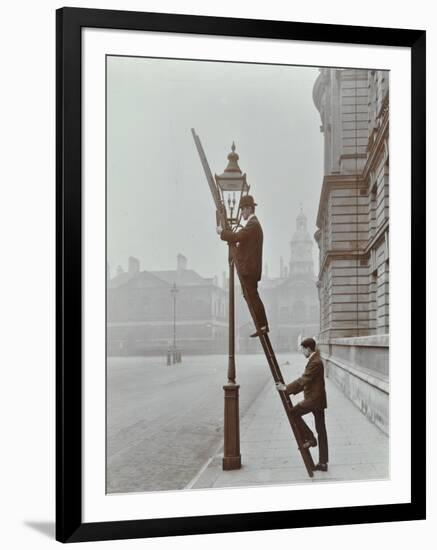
x: 231, y: 454
x: 232, y: 462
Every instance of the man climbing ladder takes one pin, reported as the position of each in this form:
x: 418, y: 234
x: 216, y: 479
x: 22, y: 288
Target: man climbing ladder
x: 312, y: 384
x: 249, y: 241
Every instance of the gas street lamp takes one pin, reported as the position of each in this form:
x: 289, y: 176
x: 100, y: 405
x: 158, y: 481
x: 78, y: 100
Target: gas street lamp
x: 175, y: 352
x: 232, y: 185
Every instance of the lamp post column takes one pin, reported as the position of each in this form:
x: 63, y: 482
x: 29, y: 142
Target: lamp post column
x: 175, y: 352
x: 174, y: 317
x: 231, y: 454
x: 231, y: 360
x: 231, y: 185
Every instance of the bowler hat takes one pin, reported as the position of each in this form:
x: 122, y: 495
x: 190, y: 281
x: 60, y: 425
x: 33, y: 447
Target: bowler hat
x: 247, y: 200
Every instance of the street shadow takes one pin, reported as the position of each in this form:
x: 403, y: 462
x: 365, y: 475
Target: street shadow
x: 47, y: 528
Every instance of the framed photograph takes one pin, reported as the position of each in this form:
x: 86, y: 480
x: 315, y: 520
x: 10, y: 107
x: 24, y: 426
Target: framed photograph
x: 240, y: 275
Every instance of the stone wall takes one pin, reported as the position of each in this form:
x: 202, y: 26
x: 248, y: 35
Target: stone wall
x: 360, y: 368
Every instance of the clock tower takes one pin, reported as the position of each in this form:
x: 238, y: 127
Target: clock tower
x: 301, y: 257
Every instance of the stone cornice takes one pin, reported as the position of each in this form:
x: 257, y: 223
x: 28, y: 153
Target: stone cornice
x: 343, y: 255
x: 336, y: 181
x: 379, y: 235
x: 354, y: 254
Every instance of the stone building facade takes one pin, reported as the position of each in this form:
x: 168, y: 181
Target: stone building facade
x: 353, y: 234
x: 140, y: 316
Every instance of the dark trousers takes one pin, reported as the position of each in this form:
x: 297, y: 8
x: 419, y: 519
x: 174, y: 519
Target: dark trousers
x: 250, y: 293
x: 319, y: 417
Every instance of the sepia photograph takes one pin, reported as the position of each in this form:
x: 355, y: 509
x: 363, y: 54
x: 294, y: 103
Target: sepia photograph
x: 247, y: 274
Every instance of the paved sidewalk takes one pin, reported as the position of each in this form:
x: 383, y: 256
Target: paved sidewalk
x: 358, y: 450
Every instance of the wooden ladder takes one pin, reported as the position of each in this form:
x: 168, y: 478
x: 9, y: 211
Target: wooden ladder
x: 277, y: 377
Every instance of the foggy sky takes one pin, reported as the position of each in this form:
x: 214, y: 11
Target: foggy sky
x: 158, y: 200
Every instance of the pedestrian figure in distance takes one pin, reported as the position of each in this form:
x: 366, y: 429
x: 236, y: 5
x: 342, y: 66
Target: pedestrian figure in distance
x: 312, y: 383
x: 249, y: 244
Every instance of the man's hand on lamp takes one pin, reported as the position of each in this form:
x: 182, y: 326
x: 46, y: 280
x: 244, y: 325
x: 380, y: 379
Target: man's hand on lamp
x: 280, y: 386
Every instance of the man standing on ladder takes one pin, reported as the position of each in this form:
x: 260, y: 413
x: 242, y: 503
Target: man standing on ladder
x: 312, y: 383
x: 249, y: 242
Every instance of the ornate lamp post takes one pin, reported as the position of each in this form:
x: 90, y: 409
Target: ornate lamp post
x: 232, y: 185
x: 176, y: 355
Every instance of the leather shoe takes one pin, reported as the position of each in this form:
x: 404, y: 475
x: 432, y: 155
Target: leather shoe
x: 263, y: 330
x: 309, y: 443
x: 321, y: 467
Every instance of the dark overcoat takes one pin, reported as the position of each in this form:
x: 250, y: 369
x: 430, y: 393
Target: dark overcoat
x: 249, y: 242
x: 312, y: 383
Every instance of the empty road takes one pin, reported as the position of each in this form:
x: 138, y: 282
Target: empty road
x: 164, y: 422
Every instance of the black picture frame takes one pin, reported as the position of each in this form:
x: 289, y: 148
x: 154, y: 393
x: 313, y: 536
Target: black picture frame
x: 69, y: 524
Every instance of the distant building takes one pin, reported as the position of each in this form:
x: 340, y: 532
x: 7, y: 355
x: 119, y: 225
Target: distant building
x: 291, y: 300
x: 140, y: 311
x: 353, y: 234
